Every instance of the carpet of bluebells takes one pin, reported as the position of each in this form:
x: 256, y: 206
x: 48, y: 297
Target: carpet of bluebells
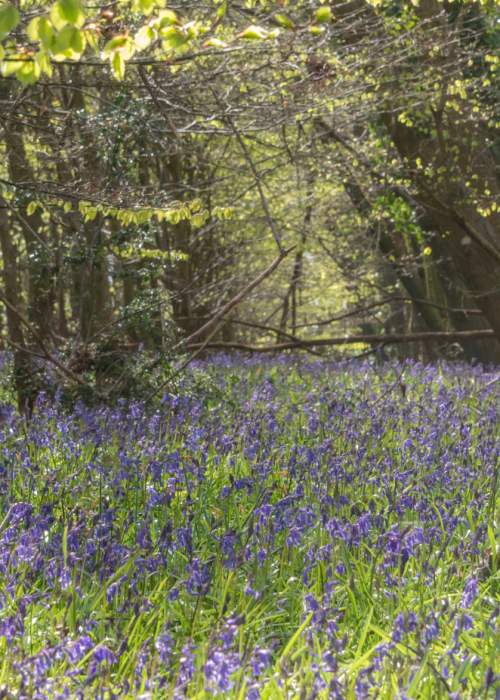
x: 271, y: 529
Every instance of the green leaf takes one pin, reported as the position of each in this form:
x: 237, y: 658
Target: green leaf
x: 315, y: 30
x: 90, y: 213
x: 144, y: 37
x: 173, y: 38
x: 147, y: 6
x: 43, y: 60
x: 221, y: 11
x: 63, y: 39
x: 12, y: 66
x: 195, y: 205
x: 122, y: 44
x: 254, y: 33
x: 118, y: 65
x: 78, y: 42
x: 40, y: 29
x: 323, y: 14
x: 167, y: 18
x: 9, y: 18
x: 71, y: 12
x: 92, y: 39
x: 197, y: 220
x: 69, y: 43
x: 284, y: 21
x: 56, y: 17
x: 173, y: 216
x: 117, y: 42
x: 31, y: 208
x: 32, y: 30
x: 28, y: 73
x: 216, y: 43
x: 45, y: 32
x: 192, y: 29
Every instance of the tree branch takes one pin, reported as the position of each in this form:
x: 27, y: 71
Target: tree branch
x: 238, y: 297
x: 388, y: 339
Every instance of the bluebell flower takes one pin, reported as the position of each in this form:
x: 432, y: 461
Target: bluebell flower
x: 79, y: 648
x: 228, y: 547
x: 164, y: 645
x: 431, y: 629
x: 260, y: 660
x: 102, y: 654
x: 399, y: 628
x: 186, y: 669
x: 219, y: 668
x: 470, y: 592
x: 198, y: 582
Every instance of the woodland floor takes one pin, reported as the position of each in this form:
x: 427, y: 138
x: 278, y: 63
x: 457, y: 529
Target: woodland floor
x: 279, y: 529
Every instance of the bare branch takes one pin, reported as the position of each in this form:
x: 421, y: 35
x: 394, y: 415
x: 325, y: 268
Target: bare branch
x: 238, y: 298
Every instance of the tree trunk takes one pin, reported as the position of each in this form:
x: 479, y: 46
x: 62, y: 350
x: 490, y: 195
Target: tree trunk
x: 41, y: 293
x: 23, y: 370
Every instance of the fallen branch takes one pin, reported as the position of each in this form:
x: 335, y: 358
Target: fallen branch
x: 389, y: 300
x: 388, y: 339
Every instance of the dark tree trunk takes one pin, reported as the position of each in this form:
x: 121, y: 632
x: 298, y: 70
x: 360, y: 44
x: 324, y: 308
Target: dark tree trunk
x: 23, y: 370
x: 41, y: 291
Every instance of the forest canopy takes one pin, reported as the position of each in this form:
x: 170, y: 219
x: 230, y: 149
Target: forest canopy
x: 263, y: 176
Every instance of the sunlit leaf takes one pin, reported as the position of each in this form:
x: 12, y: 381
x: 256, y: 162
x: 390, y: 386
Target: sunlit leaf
x: 28, y: 73
x: 118, y: 65
x: 32, y: 29
x: 215, y: 43
x: 31, y: 208
x: 323, y: 14
x: 167, y: 17
x: 11, y: 66
x: 254, y: 33
x: 45, y: 32
x: 71, y: 11
x: 117, y: 42
x: 56, y: 17
x: 63, y: 39
x: 284, y: 21
x: 9, y: 18
x: 40, y: 29
x: 144, y: 37
x: 147, y: 6
x: 173, y: 37
x: 43, y: 60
